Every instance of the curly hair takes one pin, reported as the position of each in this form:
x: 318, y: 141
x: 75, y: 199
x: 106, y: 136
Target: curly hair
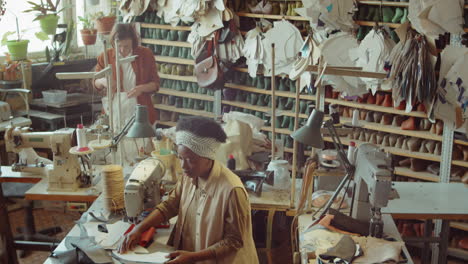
x: 202, y: 127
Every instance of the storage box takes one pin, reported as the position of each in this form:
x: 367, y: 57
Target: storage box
x: 54, y: 96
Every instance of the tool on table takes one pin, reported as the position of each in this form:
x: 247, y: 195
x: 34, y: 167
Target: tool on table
x: 142, y: 188
x: 64, y: 173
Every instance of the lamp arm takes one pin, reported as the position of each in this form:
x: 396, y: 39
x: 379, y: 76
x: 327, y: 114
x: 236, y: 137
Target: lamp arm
x: 116, y: 140
x: 339, y: 147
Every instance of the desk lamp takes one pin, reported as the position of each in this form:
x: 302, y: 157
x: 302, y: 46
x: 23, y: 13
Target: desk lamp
x: 311, y: 135
x: 137, y: 127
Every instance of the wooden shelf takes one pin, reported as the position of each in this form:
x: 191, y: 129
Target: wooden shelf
x: 174, y: 60
x: 459, y: 225
x: 178, y: 77
x: 204, y: 97
x: 184, y: 110
x: 283, y: 131
x: 373, y: 107
x: 460, y: 142
x: 166, y: 42
x: 394, y: 130
x: 169, y: 27
x: 392, y: 150
x: 264, y: 109
x: 268, y: 92
x: 372, y: 23
x: 426, y: 176
x: 167, y: 123
x: 458, y: 253
x: 460, y: 163
x: 247, y: 88
x: 384, y: 3
x: 278, y: 17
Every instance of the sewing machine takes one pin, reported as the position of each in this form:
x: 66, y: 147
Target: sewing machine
x: 372, y: 176
x: 142, y: 188
x: 63, y: 173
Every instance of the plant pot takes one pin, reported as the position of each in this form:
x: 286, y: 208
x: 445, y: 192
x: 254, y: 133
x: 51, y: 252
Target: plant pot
x: 18, y: 49
x: 104, y: 25
x: 49, y: 24
x: 88, y: 36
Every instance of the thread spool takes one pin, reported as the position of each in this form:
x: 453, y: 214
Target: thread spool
x: 81, y: 138
x: 113, y: 188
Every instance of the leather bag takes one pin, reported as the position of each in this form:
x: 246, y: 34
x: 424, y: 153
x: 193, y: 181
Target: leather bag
x: 207, y: 68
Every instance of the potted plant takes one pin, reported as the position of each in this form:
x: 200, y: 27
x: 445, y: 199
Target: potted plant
x: 88, y: 33
x: 18, y: 48
x: 104, y: 23
x: 47, y: 15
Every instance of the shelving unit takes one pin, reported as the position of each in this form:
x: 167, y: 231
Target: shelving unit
x: 203, y: 97
x: 277, y: 17
x: 166, y: 42
x: 174, y: 60
x: 184, y: 110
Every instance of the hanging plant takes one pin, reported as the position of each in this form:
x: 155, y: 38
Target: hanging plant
x: 47, y: 14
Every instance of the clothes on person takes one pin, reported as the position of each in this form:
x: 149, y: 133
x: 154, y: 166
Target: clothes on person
x: 212, y: 213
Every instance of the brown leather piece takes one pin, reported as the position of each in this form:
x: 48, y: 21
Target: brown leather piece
x: 335, y: 95
x: 439, y: 127
x: 345, y: 112
x: 463, y: 243
x: 409, y: 124
x: 421, y: 108
x: 370, y: 99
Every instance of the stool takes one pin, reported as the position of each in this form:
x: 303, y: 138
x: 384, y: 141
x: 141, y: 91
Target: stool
x: 28, y: 232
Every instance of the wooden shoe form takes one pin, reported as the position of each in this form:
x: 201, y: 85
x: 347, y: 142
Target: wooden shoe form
x: 392, y: 139
x: 457, y: 153
x: 430, y: 146
x: 404, y: 145
x: 465, y: 154
x: 373, y: 138
x: 379, y: 98
x: 405, y: 162
x: 363, y: 114
x: 438, y: 149
x: 380, y: 137
x: 386, y: 119
x: 425, y: 124
x: 388, y: 101
x: 367, y: 135
x: 385, y: 141
x: 378, y: 117
x: 414, y: 144
x: 370, y: 116
x: 422, y: 148
x: 399, y: 142
x: 397, y: 120
x: 409, y: 124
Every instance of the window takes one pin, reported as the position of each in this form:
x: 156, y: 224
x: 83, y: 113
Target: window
x: 27, y: 27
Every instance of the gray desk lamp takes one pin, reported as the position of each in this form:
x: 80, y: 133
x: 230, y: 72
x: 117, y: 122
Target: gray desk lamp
x: 311, y: 135
x: 137, y: 127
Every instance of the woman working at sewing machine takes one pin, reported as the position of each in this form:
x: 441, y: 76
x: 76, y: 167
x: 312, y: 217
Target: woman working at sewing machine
x: 214, y: 220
